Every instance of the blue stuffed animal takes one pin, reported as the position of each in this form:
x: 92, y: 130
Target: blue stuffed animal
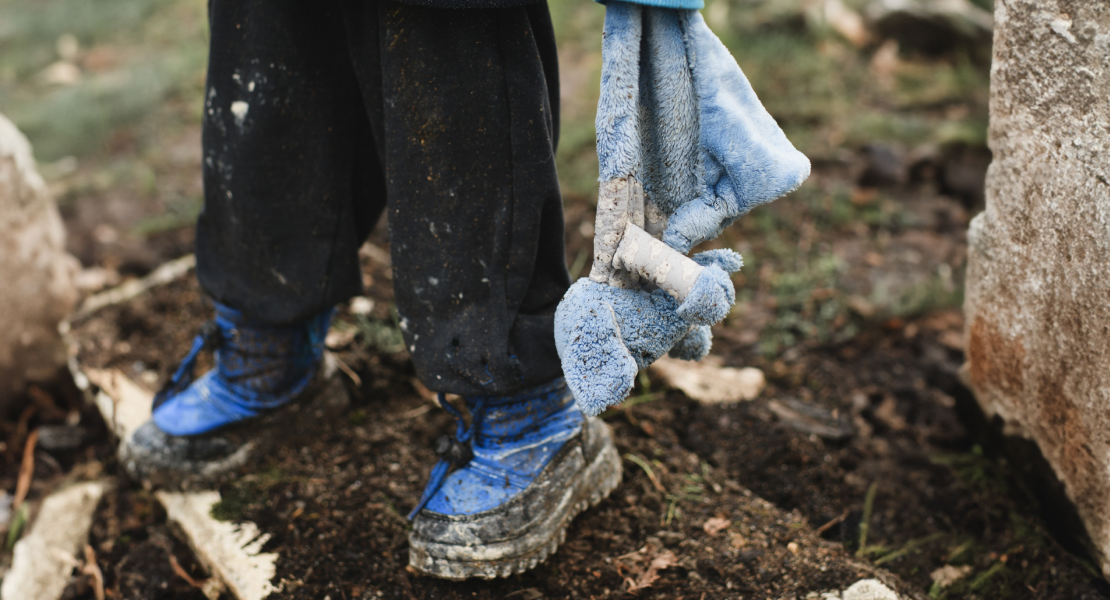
x: 685, y: 148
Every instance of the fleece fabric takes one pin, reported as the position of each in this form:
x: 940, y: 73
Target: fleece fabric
x: 744, y: 158
x: 677, y: 115
x: 689, y: 127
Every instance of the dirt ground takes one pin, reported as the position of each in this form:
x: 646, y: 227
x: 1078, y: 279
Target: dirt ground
x: 855, y: 456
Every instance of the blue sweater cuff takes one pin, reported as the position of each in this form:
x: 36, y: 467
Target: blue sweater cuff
x: 682, y: 4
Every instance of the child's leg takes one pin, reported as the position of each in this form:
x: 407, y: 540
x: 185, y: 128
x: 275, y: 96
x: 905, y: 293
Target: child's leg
x: 291, y: 177
x: 292, y: 186
x: 464, y: 104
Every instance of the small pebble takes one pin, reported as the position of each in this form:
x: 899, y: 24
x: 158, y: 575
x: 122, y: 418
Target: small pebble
x: 869, y: 589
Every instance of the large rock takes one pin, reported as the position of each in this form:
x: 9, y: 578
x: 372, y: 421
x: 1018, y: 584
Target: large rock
x: 1038, y: 284
x: 36, y: 274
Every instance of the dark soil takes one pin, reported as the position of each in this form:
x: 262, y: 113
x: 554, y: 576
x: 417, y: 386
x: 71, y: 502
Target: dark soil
x: 334, y: 507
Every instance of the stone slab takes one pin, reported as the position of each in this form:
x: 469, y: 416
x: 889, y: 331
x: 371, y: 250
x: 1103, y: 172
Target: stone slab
x: 1038, y: 284
x: 38, y: 289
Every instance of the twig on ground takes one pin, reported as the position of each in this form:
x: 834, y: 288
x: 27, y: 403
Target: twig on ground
x: 26, y: 470
x: 347, y: 370
x: 631, y: 554
x: 20, y: 433
x: 165, y: 273
x: 423, y: 391
x: 831, y: 523
x: 93, y: 570
x: 210, y: 587
x: 182, y: 573
x: 416, y: 412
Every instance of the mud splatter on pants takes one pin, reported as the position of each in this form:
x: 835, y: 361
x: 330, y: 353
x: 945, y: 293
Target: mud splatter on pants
x: 320, y: 115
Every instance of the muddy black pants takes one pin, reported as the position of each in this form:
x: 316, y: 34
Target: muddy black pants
x: 320, y: 115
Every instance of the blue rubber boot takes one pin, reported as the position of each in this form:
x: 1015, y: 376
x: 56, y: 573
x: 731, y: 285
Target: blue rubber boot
x: 506, y: 486
x: 212, y: 424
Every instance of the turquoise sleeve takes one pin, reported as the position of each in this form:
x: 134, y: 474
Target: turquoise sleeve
x: 683, y: 4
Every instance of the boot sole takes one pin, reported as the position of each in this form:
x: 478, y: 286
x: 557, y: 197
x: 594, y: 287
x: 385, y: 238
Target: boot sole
x: 602, y: 475
x: 324, y: 399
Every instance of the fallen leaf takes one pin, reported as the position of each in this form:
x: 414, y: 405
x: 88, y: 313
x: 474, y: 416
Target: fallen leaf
x: 948, y: 574
x: 709, y: 382
x: 716, y: 525
x: 812, y: 419
x: 651, y: 575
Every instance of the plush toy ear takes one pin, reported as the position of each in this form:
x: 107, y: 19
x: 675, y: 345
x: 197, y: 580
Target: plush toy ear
x: 729, y: 261
x: 744, y: 158
x: 711, y: 298
x: 618, y: 109
x: 668, y: 112
x: 695, y: 345
x: 598, y: 367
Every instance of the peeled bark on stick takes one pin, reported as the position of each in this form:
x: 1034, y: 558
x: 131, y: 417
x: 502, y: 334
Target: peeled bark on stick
x: 654, y: 261
x: 619, y: 202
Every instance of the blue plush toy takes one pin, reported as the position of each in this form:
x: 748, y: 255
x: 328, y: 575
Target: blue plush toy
x: 685, y: 148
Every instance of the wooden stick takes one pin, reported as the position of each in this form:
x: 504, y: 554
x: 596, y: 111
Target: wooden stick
x: 165, y: 273
x: 619, y: 202
x: 656, y: 262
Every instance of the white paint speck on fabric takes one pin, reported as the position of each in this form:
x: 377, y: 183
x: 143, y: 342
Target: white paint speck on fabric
x: 239, y: 109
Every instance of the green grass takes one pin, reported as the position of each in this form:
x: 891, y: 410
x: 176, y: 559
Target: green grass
x: 245, y: 493
x: 380, y: 335
x: 148, y: 77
